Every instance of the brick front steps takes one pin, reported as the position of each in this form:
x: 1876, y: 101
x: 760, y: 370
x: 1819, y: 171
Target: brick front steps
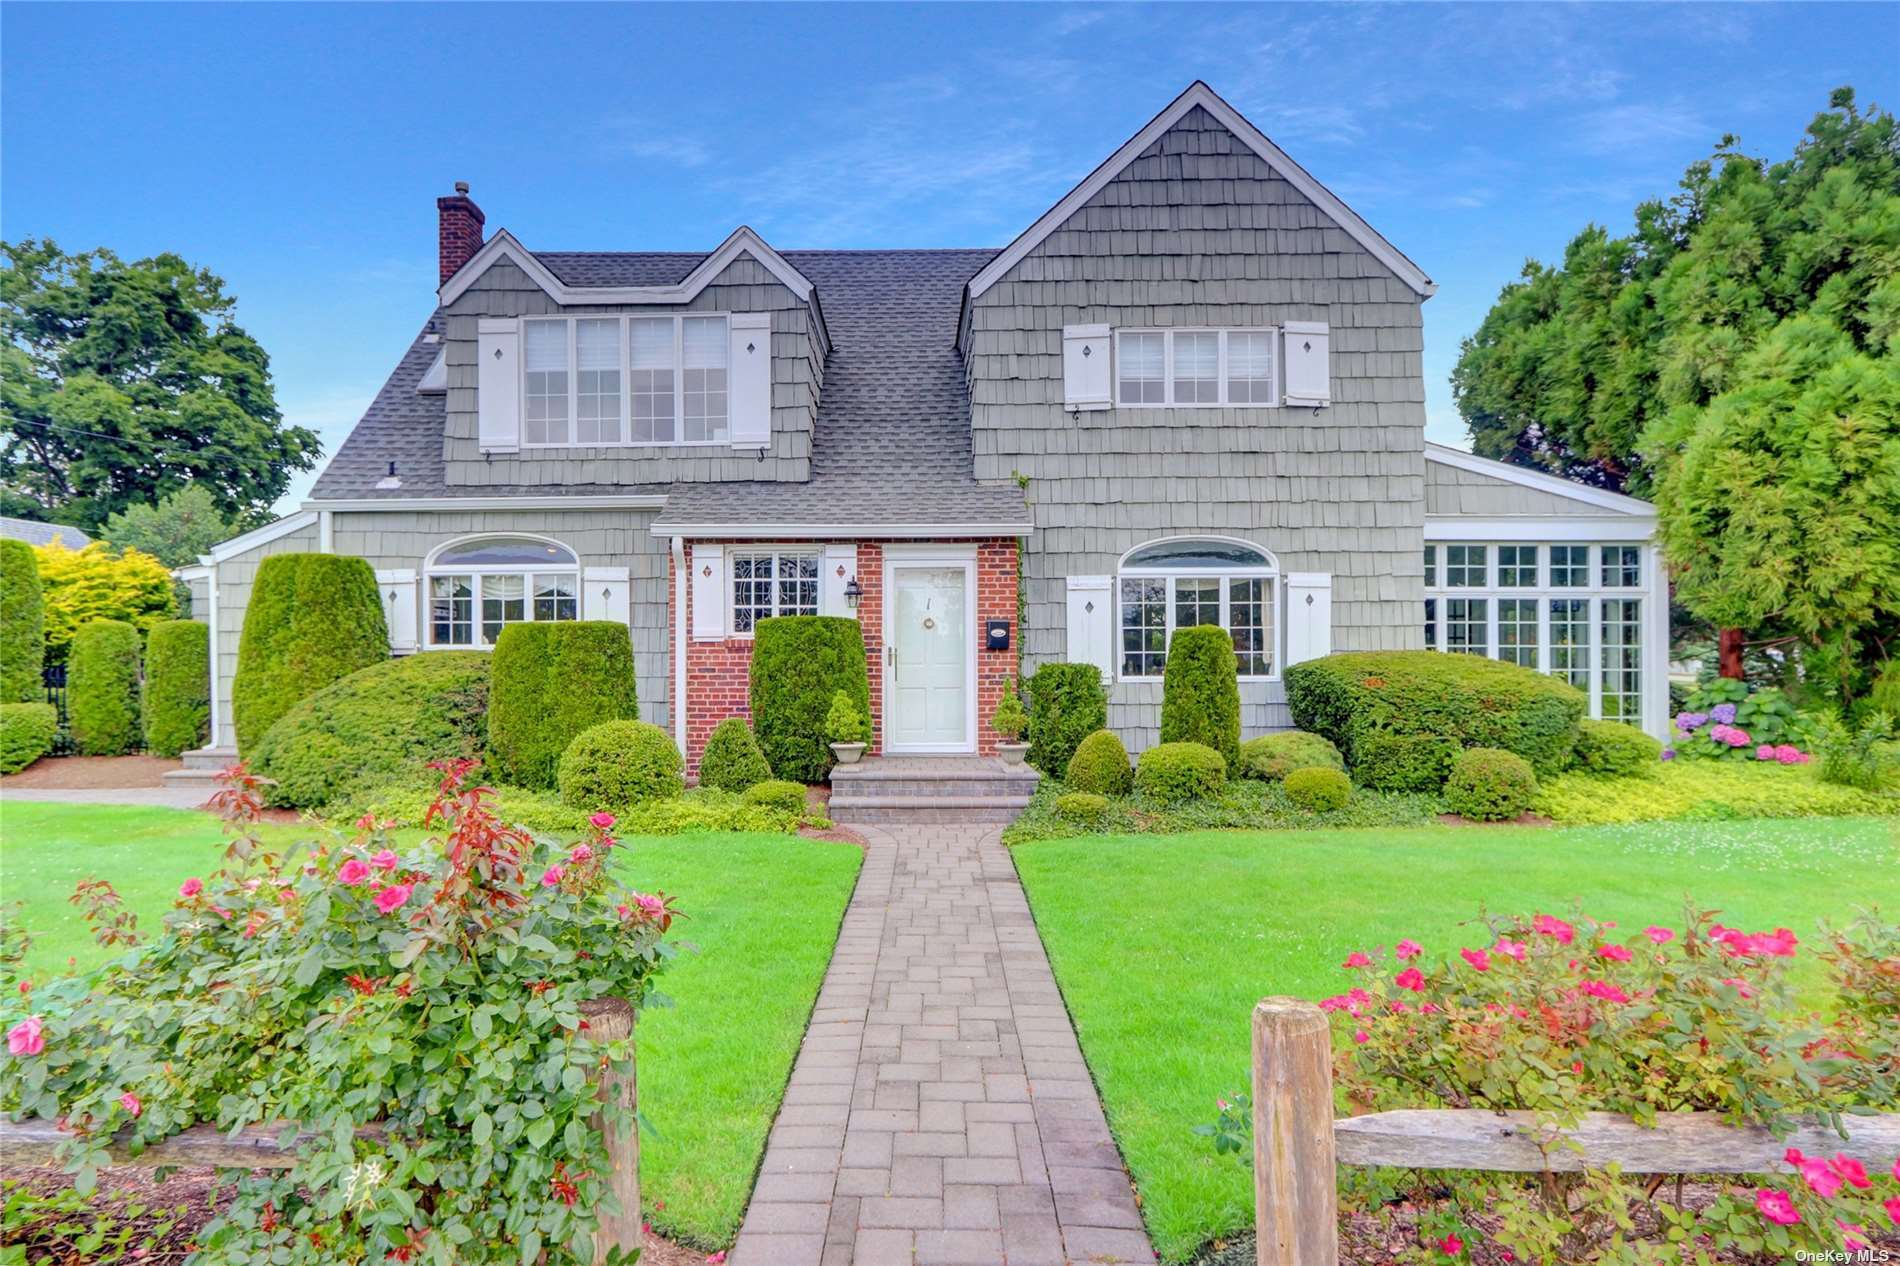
x: 898, y: 790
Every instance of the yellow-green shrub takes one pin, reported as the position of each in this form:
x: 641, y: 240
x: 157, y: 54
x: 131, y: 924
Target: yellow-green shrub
x: 27, y: 731
x: 1174, y: 773
x: 95, y: 584
x: 1272, y: 757
x: 1318, y: 789
x: 1100, y: 765
x: 1704, y: 791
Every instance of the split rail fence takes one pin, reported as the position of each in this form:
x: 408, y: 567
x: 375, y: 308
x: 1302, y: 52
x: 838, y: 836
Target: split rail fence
x: 257, y: 1147
x: 1297, y: 1142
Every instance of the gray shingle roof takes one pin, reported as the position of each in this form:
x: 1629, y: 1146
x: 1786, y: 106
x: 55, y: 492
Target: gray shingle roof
x: 892, y: 444
x: 34, y: 532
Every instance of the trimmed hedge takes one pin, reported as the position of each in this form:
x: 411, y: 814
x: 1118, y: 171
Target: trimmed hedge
x: 1066, y: 705
x: 553, y: 680
x: 378, y: 724
x: 1083, y: 807
x: 732, y: 760
x: 1404, y: 762
x: 1200, y: 691
x: 1319, y: 789
x: 776, y: 793
x: 1271, y: 757
x: 1489, y: 785
x: 1608, y: 747
x: 798, y: 663
x: 1470, y: 700
x: 1174, y: 773
x: 1100, y: 765
x: 312, y: 619
x: 22, y: 624
x: 27, y: 731
x: 177, y: 703
x: 618, y: 764
x: 102, y: 688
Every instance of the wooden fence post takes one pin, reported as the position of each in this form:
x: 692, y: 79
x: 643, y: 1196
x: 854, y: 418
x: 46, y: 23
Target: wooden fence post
x: 609, y: 1020
x: 1296, y: 1216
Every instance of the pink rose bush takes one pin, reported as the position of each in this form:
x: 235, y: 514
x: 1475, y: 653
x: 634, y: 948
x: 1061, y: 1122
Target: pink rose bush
x: 442, y: 991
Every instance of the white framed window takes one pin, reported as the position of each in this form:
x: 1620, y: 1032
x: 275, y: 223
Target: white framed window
x: 766, y: 583
x: 1517, y: 567
x: 1570, y: 567
x: 1622, y: 566
x: 478, y: 587
x: 1570, y: 641
x: 1467, y: 626
x: 1197, y: 368
x: 1622, y: 660
x: 1465, y: 567
x: 1517, y: 631
x: 598, y: 382
x: 1431, y: 567
x: 1188, y: 581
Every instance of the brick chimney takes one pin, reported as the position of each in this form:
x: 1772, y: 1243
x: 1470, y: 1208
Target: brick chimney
x: 460, y: 232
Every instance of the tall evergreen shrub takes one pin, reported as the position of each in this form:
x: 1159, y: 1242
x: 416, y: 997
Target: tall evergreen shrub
x: 102, y: 688
x: 1066, y: 705
x: 312, y: 619
x: 22, y: 624
x: 550, y: 682
x: 177, y: 702
x: 1200, y: 691
x: 798, y: 663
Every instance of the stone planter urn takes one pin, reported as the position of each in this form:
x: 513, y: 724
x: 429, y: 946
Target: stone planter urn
x: 848, y: 753
x: 1012, y: 753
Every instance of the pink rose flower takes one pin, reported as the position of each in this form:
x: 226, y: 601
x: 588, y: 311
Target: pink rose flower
x: 353, y: 872
x: 653, y: 907
x: 1451, y: 1246
x: 581, y: 853
x: 1552, y: 926
x: 385, y: 860
x: 1776, y: 1207
x: 552, y: 876
x: 1820, y: 1176
x: 1411, y: 978
x: 191, y: 888
x: 1661, y: 936
x: 1851, y: 1171
x: 1740, y: 986
x: 602, y: 820
x: 1361, y: 1036
x: 623, y: 912
x: 1408, y: 948
x: 1357, y: 959
x: 25, y: 1037
x: 1853, y: 1236
x: 130, y: 1102
x: 1615, y: 953
x: 1605, y: 990
x: 1510, y: 948
x: 391, y: 899
x: 1477, y: 958
x: 1893, y: 1209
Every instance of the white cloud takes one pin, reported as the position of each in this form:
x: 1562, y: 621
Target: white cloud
x: 1072, y: 20
x: 1639, y: 125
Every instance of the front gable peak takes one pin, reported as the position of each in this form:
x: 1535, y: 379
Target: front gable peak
x: 742, y: 242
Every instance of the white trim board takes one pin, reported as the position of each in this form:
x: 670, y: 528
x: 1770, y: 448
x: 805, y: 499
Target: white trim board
x: 259, y: 536
x: 1199, y: 94
x: 644, y: 501
x: 743, y: 241
x: 837, y: 531
x: 1445, y: 455
x: 1532, y: 528
x: 963, y: 558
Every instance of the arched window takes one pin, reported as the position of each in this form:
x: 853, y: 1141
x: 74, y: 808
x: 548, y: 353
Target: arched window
x: 1184, y: 581
x: 478, y: 587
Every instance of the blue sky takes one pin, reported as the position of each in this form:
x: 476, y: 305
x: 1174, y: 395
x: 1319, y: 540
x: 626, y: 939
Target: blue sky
x: 297, y: 149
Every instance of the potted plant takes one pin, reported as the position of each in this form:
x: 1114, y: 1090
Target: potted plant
x: 1010, y: 723
x: 848, y: 729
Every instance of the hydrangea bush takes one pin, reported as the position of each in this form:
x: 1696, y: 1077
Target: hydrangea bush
x: 436, y: 994
x: 1724, y: 720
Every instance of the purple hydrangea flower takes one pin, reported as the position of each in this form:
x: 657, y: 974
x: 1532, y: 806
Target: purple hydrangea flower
x: 1723, y: 712
x: 1669, y: 753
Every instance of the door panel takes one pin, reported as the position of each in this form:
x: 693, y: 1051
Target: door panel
x: 930, y: 662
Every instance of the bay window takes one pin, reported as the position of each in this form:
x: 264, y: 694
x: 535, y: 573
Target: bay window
x: 1196, y: 368
x: 1184, y: 583
x: 478, y: 588
x: 612, y: 381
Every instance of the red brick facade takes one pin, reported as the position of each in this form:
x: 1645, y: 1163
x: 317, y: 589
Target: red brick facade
x: 718, y: 673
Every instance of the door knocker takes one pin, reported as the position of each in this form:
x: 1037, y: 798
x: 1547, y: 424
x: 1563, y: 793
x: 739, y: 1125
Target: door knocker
x: 930, y: 622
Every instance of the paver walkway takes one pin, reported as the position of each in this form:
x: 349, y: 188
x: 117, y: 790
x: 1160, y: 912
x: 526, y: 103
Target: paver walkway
x: 940, y: 1111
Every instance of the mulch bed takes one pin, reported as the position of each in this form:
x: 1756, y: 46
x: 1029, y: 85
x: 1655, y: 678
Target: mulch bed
x: 1526, y: 818
x: 92, y: 773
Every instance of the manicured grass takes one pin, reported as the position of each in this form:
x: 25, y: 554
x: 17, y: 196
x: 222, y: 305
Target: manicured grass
x: 763, y: 914
x: 1162, y: 944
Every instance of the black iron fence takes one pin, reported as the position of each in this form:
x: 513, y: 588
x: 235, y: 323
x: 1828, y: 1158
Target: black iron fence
x: 53, y: 677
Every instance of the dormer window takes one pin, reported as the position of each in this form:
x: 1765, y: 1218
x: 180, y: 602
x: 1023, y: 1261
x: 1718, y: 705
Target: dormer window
x: 595, y: 381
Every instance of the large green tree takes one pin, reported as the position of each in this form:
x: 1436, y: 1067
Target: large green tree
x: 176, y: 531
x: 123, y: 382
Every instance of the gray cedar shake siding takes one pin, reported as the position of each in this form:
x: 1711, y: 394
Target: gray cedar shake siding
x: 1198, y: 231
x: 1450, y: 491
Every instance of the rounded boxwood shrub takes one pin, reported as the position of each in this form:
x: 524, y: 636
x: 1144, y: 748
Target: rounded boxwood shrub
x: 1473, y: 701
x: 798, y: 663
x: 27, y: 731
x: 1272, y: 757
x: 1319, y: 789
x: 375, y: 726
x: 732, y: 760
x: 1174, y: 773
x: 1084, y: 808
x: 551, y: 681
x: 102, y: 688
x: 1488, y: 784
x: 22, y: 624
x: 1404, y: 762
x: 177, y: 687
x: 1100, y: 765
x: 1607, y: 747
x: 1066, y: 705
x: 1200, y: 691
x: 777, y: 793
x: 312, y: 619
x: 617, y: 764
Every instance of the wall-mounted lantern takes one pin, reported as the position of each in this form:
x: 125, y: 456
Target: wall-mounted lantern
x: 853, y: 593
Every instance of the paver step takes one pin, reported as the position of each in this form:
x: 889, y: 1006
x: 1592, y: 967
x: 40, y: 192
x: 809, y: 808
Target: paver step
x: 191, y: 777
x: 923, y: 785
x: 941, y: 771
x: 210, y: 758
x: 883, y: 814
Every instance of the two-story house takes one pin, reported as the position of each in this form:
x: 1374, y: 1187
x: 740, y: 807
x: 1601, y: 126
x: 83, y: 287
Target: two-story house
x: 1190, y: 393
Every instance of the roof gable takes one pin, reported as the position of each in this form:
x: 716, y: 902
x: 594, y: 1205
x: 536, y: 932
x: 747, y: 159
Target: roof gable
x: 1199, y: 94
x: 743, y: 241
x: 1602, y: 498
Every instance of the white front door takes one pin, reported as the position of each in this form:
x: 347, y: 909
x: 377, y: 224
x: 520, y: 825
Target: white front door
x: 929, y: 689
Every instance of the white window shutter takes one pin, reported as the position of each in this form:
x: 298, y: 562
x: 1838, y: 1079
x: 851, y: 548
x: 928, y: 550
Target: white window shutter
x: 1309, y: 616
x: 398, y: 588
x: 750, y: 401
x: 498, y: 385
x: 1092, y: 623
x: 607, y: 594
x: 709, y: 594
x: 1085, y: 377
x: 1309, y: 371
x: 836, y: 571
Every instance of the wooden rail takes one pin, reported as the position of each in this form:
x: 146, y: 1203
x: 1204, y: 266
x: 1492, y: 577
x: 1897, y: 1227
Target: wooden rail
x: 1297, y: 1142
x: 257, y: 1146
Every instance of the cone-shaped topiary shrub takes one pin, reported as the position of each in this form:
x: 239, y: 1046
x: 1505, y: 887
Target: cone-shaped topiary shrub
x: 1489, y: 785
x: 1066, y: 705
x: 1175, y: 773
x: 798, y: 663
x: 618, y: 764
x: 1100, y: 765
x: 1200, y: 691
x: 177, y: 699
x: 1319, y: 789
x: 312, y: 619
x: 1272, y: 757
x: 102, y: 688
x: 22, y: 625
x: 376, y: 727
x: 732, y: 760
x: 552, y: 681
x: 27, y: 731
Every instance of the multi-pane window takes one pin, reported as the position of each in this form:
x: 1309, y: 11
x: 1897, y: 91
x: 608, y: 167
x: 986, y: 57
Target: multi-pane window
x: 1431, y: 567
x: 651, y: 358
x: 1570, y: 567
x: 597, y: 382
x: 617, y: 380
x: 478, y: 588
x: 1464, y: 566
x: 1517, y: 631
x: 1178, y: 584
x: 1431, y: 623
x: 768, y: 583
x: 545, y: 383
x: 1622, y: 660
x: 1196, y: 368
x: 1622, y: 566
x: 1517, y: 567
x: 704, y: 371
x: 1570, y: 640
x: 1467, y: 631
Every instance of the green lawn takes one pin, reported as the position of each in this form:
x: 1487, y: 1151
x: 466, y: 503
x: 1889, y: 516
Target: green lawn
x: 1162, y: 944
x: 763, y: 912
